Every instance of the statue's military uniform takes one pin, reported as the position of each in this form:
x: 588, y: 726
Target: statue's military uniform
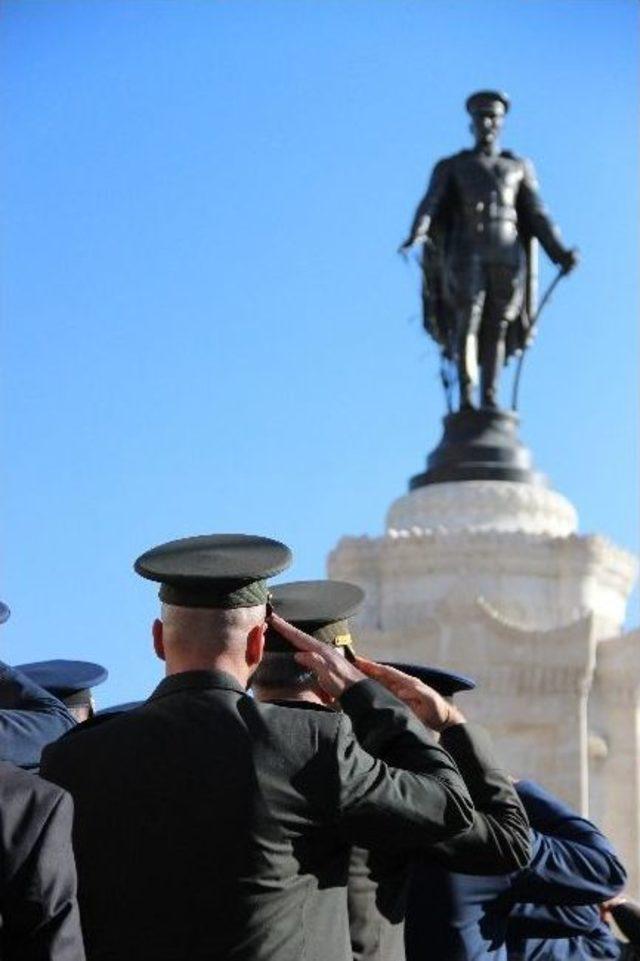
x: 480, y: 218
x: 485, y: 210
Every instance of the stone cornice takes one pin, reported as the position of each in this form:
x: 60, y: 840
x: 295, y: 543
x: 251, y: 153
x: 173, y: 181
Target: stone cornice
x: 510, y: 659
x: 428, y: 551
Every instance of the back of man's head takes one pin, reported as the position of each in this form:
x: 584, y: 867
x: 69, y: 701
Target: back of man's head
x: 198, y: 638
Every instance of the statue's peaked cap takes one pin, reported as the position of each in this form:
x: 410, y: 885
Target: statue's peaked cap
x: 214, y: 570
x: 5, y: 613
x: 488, y: 101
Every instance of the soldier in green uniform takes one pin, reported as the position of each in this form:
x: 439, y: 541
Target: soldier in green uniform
x: 479, y: 220
x: 376, y: 876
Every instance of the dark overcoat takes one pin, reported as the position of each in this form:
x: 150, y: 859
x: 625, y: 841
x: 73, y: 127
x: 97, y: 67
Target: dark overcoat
x: 206, y: 822
x: 38, y: 910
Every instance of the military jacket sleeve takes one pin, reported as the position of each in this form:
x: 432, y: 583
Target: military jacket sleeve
x: 417, y: 797
x: 30, y: 718
x: 499, y: 840
x: 533, y: 216
x: 39, y: 910
x: 573, y: 862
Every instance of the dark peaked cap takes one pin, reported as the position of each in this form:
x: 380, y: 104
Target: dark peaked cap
x: 214, y: 570
x: 319, y: 608
x: 5, y: 613
x: 488, y: 101
x: 68, y: 680
x: 444, y: 682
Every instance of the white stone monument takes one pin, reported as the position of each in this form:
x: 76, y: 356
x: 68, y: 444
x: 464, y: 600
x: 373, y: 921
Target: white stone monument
x: 491, y: 578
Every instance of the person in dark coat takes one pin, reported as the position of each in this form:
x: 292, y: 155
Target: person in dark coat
x: 529, y: 913
x: 39, y: 918
x: 206, y: 822
x: 30, y: 717
x: 377, y: 881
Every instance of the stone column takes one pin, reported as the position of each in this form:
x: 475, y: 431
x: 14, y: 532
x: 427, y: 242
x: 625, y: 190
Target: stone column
x: 615, y: 741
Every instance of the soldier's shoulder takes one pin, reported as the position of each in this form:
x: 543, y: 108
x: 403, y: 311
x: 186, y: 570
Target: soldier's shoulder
x: 102, y: 728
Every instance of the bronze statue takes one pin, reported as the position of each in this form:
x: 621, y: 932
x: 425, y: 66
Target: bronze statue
x: 479, y: 222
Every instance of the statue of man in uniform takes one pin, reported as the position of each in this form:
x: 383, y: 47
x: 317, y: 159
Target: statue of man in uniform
x: 479, y: 221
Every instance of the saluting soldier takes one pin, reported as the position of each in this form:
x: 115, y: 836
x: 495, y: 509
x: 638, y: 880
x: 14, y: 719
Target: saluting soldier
x: 376, y: 877
x: 478, y: 220
x: 379, y: 880
x: 207, y: 822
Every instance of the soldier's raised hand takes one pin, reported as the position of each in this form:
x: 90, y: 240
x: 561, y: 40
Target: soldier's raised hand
x: 430, y: 707
x: 333, y: 671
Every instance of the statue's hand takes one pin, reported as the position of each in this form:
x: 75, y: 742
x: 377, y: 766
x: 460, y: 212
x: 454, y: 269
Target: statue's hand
x: 410, y: 242
x: 406, y: 246
x: 569, y: 260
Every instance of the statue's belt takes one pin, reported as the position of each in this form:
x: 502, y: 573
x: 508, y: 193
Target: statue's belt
x: 490, y: 212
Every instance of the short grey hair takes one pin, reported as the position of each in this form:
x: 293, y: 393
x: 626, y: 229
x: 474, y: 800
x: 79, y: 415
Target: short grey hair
x: 211, y: 627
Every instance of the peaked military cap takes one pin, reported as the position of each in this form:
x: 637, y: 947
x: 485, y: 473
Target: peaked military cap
x: 5, y: 613
x: 444, y: 682
x: 214, y: 570
x: 319, y: 608
x: 488, y: 101
x: 68, y: 680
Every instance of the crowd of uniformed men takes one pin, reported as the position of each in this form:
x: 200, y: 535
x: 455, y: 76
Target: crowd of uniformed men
x: 279, y: 798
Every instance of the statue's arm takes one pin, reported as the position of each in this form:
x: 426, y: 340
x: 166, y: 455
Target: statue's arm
x: 430, y: 204
x: 535, y: 218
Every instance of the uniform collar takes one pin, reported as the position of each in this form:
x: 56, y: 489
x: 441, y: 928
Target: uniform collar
x: 305, y: 705
x: 197, y: 681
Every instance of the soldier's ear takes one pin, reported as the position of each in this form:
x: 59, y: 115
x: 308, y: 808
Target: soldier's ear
x: 158, y: 639
x: 255, y: 644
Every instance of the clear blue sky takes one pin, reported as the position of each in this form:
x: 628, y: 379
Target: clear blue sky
x: 205, y: 326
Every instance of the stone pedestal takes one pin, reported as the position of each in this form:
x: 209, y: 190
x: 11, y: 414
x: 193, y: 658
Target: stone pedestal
x: 491, y: 578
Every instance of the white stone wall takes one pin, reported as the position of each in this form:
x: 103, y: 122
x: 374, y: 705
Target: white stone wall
x: 491, y: 578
